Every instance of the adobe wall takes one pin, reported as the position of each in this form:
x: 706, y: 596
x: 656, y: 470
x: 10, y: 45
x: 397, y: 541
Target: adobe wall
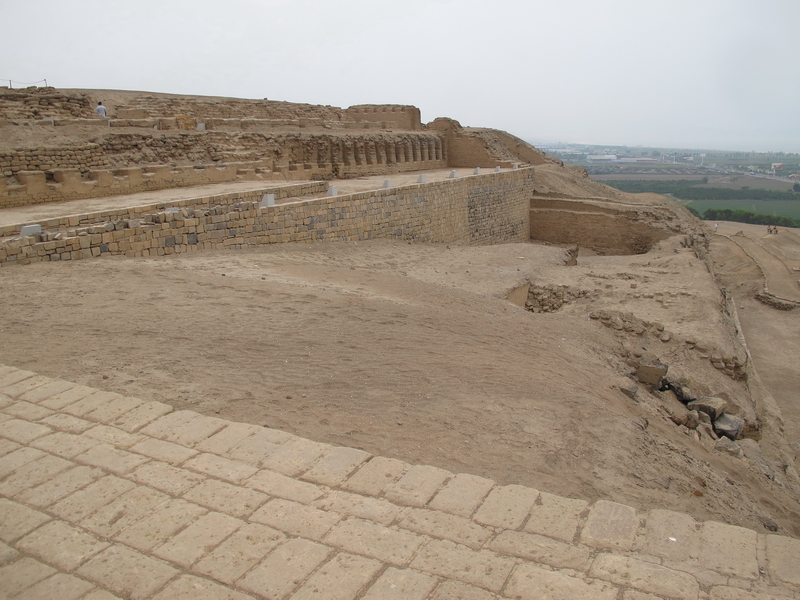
x: 391, y: 115
x: 479, y: 209
x: 603, y: 229
x: 34, y: 176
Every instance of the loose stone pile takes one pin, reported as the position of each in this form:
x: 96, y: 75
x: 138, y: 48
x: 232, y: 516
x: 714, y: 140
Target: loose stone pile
x: 550, y: 297
x: 733, y: 366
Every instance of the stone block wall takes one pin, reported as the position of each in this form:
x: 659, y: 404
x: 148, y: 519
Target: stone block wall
x: 85, y: 156
x: 33, y: 103
x: 481, y: 209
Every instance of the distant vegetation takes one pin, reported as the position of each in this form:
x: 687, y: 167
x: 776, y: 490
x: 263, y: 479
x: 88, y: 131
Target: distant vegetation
x: 687, y: 189
x: 783, y: 206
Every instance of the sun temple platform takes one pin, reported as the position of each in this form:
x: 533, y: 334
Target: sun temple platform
x: 106, y: 496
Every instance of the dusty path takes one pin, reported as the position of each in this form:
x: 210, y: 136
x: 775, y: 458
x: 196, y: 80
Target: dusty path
x: 773, y: 336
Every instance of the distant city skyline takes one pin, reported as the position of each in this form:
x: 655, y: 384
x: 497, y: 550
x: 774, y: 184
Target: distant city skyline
x: 713, y: 74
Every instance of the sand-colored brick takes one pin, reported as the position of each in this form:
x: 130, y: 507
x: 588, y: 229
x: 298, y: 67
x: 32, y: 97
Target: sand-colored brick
x: 375, y: 541
x: 417, y: 486
x: 277, y: 484
x: 401, y: 584
x: 507, y: 506
x: 120, y: 569
x: 446, y: 526
x: 482, y: 568
x: 645, y: 576
x: 529, y: 582
x: 610, y: 525
x: 284, y: 568
x: 541, y: 549
x: 462, y: 495
x: 356, y: 505
x: 198, y: 539
x: 61, y: 545
x: 237, y: 554
x: 234, y: 500
x: 555, y: 516
x: 341, y: 578
x: 375, y: 476
x: 17, y: 520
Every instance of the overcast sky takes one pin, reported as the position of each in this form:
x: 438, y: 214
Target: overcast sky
x: 719, y: 74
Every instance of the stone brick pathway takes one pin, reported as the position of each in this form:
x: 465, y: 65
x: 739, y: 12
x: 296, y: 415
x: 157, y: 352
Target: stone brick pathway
x: 104, y: 496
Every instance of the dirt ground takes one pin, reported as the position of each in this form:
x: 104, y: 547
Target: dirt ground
x: 412, y: 351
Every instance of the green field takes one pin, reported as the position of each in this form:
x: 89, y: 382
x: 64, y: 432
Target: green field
x: 779, y: 208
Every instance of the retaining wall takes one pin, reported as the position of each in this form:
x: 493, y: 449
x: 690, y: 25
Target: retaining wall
x: 604, y: 230
x: 480, y: 209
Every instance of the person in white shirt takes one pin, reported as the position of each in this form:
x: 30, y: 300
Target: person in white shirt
x: 101, y: 110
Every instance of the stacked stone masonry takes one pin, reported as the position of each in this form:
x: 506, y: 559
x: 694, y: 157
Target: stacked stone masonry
x: 99, y: 489
x: 479, y: 209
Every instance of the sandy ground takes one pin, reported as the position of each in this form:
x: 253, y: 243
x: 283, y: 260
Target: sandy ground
x: 410, y: 351
x: 772, y: 335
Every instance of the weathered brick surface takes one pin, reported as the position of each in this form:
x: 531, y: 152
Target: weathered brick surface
x: 296, y: 519
x: 222, y: 496
x: 277, y: 484
x: 529, y: 582
x: 376, y: 541
x: 127, y: 572
x: 341, y: 578
x: 61, y: 545
x: 483, y: 568
x: 555, y: 516
x: 417, y: 485
x: 462, y: 495
x: 645, y: 576
x: 542, y: 550
x: 401, y: 584
x: 610, y: 525
x: 281, y: 571
x: 236, y: 555
x: 507, y: 506
x: 171, y: 505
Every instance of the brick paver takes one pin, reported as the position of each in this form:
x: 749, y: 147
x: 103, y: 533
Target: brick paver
x: 104, y: 496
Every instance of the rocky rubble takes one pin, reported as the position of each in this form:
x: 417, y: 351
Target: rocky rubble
x: 550, y: 297
x: 711, y: 420
x: 732, y: 366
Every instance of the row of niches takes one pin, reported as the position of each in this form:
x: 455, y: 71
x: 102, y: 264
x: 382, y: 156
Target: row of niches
x: 179, y: 148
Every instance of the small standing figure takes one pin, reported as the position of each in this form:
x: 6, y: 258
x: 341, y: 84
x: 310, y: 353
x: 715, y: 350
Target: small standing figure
x: 775, y: 229
x: 101, y: 110
x: 716, y: 226
x: 769, y: 229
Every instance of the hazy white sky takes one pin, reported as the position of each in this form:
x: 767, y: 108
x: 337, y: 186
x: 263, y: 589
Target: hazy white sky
x: 721, y: 74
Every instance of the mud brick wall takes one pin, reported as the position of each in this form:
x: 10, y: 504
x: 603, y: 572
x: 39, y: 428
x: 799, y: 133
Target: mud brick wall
x: 132, y: 162
x: 480, y: 209
x: 168, y: 106
x: 394, y: 116
x: 605, y: 230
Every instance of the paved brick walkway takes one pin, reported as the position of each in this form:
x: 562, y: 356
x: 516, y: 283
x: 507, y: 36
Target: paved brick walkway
x: 104, y: 496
